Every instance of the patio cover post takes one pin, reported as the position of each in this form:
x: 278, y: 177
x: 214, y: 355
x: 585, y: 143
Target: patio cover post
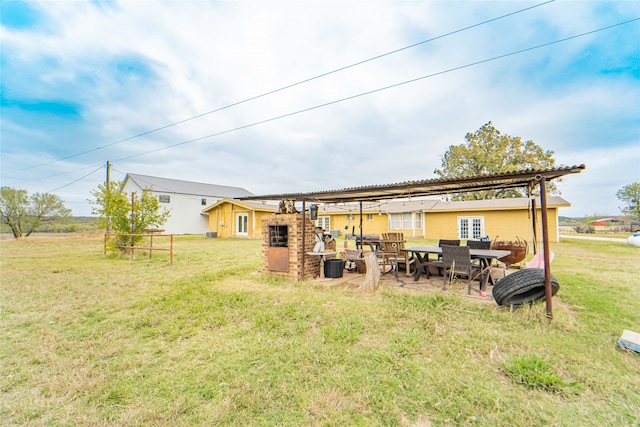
x: 545, y: 245
x: 361, y: 242
x: 534, y: 220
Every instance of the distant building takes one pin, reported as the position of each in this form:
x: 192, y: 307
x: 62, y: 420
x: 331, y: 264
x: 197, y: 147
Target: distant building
x: 185, y: 200
x: 608, y: 222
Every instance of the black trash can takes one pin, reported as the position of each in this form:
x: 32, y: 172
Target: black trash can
x: 333, y: 268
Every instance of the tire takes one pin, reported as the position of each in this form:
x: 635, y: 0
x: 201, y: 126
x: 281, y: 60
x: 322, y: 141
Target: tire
x: 522, y: 287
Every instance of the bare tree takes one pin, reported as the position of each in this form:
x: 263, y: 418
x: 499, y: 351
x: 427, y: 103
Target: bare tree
x: 24, y: 214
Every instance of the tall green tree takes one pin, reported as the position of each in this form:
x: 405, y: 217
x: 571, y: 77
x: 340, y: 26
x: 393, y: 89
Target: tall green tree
x: 24, y: 214
x: 115, y: 211
x: 488, y: 151
x: 630, y: 196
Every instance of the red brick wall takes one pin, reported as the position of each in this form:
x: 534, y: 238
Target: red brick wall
x: 296, y: 251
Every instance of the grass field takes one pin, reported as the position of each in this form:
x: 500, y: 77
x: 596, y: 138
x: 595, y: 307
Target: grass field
x: 94, y: 340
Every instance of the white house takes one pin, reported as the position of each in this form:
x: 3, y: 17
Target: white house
x: 185, y: 200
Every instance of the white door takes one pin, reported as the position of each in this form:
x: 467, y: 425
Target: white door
x: 242, y: 225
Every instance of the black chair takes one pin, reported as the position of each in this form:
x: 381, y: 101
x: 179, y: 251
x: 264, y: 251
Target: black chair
x: 457, y: 262
x: 479, y: 244
x: 444, y: 242
x: 441, y: 243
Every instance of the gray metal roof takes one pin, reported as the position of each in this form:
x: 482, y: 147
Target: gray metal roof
x: 427, y: 187
x: 510, y: 203
x: 431, y: 205
x: 176, y: 186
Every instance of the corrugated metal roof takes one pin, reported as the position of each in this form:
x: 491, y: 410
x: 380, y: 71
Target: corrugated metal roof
x: 427, y: 187
x: 176, y: 186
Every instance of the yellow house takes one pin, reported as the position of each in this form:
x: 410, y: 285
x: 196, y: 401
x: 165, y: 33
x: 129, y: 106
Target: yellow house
x: 234, y: 218
x: 506, y: 219
x: 345, y: 218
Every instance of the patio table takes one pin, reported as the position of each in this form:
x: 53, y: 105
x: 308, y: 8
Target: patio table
x: 422, y: 257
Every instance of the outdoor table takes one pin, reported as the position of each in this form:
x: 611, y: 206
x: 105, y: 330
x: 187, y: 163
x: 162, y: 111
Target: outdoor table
x: 422, y: 256
x: 323, y: 255
x: 374, y: 243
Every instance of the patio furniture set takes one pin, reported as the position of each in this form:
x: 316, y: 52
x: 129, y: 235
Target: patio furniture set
x: 473, y: 261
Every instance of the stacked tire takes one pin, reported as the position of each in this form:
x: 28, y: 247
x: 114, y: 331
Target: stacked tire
x: 522, y: 287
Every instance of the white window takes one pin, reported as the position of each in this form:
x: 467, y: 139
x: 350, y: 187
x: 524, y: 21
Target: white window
x: 369, y: 217
x: 405, y: 221
x: 470, y: 227
x: 395, y: 221
x: 163, y: 198
x: 324, y: 222
x: 242, y: 225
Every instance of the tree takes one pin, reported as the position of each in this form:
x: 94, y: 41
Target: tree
x: 115, y: 211
x: 630, y: 196
x: 24, y: 214
x: 488, y: 151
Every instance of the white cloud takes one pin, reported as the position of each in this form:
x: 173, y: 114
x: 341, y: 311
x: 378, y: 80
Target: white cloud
x: 137, y: 66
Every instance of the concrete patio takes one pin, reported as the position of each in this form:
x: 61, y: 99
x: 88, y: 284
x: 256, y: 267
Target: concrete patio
x: 353, y: 280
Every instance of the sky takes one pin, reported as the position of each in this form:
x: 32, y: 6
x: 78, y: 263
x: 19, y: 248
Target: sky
x: 299, y: 96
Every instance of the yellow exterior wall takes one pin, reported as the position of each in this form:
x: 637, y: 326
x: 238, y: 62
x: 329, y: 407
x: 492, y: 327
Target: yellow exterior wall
x: 504, y: 224
x: 223, y: 220
x: 379, y: 223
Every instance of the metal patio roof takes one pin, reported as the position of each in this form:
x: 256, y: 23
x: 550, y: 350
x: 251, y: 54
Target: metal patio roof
x: 427, y: 187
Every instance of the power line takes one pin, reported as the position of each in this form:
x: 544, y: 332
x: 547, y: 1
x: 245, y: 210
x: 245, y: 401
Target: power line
x: 73, y: 182
x: 271, y: 92
x: 304, y: 110
x: 471, y: 64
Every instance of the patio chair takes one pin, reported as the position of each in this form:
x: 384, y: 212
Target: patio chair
x: 354, y: 257
x: 457, y: 262
x: 438, y: 263
x: 393, y: 243
x: 479, y: 244
x: 444, y: 242
x: 387, y: 259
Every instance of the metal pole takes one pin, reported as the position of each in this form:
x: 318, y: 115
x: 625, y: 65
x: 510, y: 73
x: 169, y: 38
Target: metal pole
x: 108, y: 186
x: 132, y: 221
x: 545, y: 245
x: 361, y: 240
x: 534, y: 220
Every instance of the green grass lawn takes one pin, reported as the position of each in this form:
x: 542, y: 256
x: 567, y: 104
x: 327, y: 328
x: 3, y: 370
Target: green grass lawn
x: 92, y: 340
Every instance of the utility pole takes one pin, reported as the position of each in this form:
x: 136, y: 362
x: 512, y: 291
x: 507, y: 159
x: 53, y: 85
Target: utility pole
x: 108, y: 186
x: 133, y: 222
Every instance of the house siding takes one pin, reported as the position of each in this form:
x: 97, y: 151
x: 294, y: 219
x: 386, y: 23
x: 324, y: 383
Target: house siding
x: 223, y: 220
x: 185, y: 204
x: 509, y: 223
x: 378, y: 223
x: 502, y: 224
x: 183, y: 210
